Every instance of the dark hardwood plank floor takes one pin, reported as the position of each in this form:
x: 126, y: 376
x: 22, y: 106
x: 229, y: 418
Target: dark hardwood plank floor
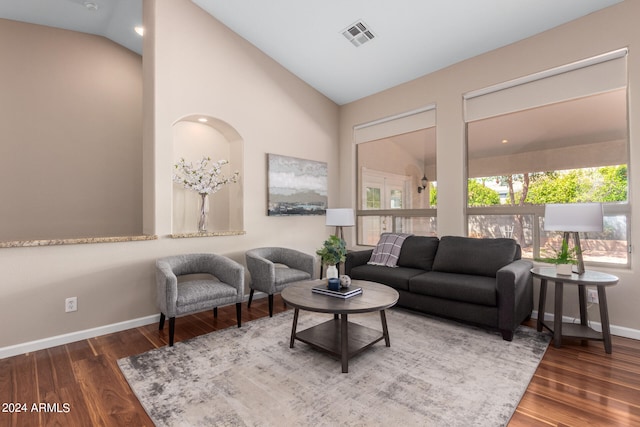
x: 575, y: 385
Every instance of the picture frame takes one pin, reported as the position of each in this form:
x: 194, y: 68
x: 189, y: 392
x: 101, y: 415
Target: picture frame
x: 296, y: 186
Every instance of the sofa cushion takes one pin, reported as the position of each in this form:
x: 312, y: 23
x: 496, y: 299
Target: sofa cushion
x: 418, y: 252
x: 397, y: 278
x: 457, y: 287
x: 388, y: 249
x: 466, y: 255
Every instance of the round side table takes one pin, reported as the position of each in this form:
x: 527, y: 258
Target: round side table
x: 583, y: 331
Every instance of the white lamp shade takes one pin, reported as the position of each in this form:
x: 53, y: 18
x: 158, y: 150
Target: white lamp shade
x: 581, y: 217
x: 340, y: 217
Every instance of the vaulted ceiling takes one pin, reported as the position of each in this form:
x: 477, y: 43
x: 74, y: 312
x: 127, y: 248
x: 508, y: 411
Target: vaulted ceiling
x: 411, y: 37
x: 113, y: 19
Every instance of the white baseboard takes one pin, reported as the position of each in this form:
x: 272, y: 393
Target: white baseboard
x: 44, y: 343
x: 620, y: 331
x: 28, y: 347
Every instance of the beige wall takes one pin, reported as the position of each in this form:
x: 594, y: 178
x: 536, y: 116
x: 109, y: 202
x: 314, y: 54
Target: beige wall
x: 600, y: 32
x: 71, y: 141
x: 200, y: 67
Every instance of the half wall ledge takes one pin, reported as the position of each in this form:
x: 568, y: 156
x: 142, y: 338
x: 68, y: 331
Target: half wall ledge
x: 208, y: 234
x: 78, y: 241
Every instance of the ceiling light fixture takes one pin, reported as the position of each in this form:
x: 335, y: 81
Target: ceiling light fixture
x: 505, y: 141
x: 140, y: 30
x: 202, y: 120
x: 358, y: 33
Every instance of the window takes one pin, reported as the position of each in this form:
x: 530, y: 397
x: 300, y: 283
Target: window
x: 560, y: 137
x: 396, y: 199
x: 373, y: 198
x: 392, y: 158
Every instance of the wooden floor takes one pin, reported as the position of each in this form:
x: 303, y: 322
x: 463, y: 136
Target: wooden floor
x: 575, y: 385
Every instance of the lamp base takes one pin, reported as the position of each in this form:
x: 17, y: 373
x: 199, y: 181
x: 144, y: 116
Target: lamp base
x: 579, y: 268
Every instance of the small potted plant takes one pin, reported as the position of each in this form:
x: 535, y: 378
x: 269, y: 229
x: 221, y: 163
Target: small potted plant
x: 564, y: 259
x: 332, y: 252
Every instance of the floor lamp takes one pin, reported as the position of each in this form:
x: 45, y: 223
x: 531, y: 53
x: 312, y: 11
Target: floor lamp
x: 342, y: 217
x: 573, y: 218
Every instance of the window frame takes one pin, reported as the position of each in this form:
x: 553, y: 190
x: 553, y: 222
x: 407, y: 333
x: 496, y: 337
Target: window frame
x: 474, y: 105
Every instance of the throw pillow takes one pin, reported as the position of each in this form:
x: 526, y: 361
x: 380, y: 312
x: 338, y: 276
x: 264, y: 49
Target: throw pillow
x: 387, y: 251
x: 418, y: 252
x: 467, y: 255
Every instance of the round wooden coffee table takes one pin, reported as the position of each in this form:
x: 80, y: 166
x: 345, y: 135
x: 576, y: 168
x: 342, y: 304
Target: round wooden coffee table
x: 338, y: 336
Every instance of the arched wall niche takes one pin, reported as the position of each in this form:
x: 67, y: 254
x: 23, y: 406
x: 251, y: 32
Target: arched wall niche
x: 197, y: 136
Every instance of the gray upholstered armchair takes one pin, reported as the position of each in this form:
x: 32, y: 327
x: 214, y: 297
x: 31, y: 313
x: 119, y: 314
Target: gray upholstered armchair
x: 220, y: 281
x: 272, y: 269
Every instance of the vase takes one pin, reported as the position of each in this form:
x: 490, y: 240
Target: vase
x: 332, y: 272
x: 564, y: 269
x: 203, y: 213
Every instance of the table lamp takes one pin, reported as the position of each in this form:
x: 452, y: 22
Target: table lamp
x: 573, y: 218
x: 342, y: 217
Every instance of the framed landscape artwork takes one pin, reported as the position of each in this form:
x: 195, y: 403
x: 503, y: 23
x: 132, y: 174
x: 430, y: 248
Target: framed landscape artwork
x: 296, y: 186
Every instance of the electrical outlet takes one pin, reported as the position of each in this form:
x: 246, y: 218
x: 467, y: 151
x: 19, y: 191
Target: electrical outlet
x: 71, y: 304
x: 592, y: 296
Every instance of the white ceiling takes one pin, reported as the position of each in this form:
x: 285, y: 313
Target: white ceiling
x: 113, y: 19
x: 412, y: 37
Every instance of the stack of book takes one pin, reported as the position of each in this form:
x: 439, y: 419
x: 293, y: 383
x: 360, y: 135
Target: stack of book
x: 341, y: 293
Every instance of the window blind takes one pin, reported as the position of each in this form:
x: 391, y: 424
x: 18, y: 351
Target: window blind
x: 396, y: 125
x: 599, y: 74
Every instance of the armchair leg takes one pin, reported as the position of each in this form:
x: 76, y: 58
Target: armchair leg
x: 250, y: 299
x: 270, y: 305
x: 161, y: 327
x: 172, y: 329
x: 215, y: 311
x: 239, y: 313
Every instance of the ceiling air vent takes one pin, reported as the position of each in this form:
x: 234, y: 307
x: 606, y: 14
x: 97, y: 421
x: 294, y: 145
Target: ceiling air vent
x: 358, y: 33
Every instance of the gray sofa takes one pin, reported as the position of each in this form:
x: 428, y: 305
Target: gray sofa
x: 479, y: 281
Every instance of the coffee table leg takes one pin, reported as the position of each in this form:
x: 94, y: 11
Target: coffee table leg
x: 293, y: 328
x: 385, y: 331
x: 344, y: 343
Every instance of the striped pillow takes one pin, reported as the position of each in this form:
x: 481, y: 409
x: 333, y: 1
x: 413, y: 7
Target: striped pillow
x: 387, y: 250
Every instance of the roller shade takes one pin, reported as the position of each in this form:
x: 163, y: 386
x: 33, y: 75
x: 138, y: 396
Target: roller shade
x: 396, y: 125
x: 595, y: 75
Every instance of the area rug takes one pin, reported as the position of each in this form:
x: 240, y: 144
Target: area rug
x: 436, y: 373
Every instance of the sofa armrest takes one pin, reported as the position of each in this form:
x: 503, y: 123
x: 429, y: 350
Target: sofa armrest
x: 356, y: 258
x: 514, y: 284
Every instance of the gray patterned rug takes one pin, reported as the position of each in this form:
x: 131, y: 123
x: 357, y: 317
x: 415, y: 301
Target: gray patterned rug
x: 436, y: 373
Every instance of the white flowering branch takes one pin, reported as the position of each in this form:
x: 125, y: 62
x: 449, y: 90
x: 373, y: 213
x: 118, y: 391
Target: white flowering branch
x: 205, y: 177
